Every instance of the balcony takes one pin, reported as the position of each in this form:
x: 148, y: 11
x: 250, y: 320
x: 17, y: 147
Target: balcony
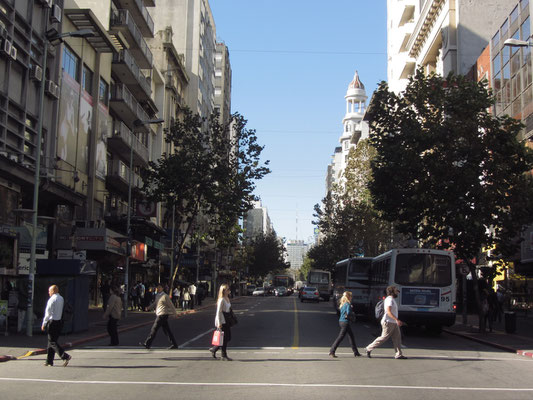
x: 120, y: 140
x: 129, y: 73
x: 127, y: 108
x: 122, y: 21
x: 140, y: 15
x: 118, y: 177
x: 149, y: 3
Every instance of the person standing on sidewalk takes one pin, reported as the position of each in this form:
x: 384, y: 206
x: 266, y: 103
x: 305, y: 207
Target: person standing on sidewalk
x: 192, y: 292
x: 345, y: 307
x: 113, y: 311
x: 390, y: 325
x: 223, y: 309
x: 163, y: 309
x: 53, y: 324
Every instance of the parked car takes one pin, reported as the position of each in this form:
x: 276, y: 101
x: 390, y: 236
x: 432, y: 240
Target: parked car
x: 260, y: 291
x: 309, y: 293
x: 280, y: 291
x: 250, y: 289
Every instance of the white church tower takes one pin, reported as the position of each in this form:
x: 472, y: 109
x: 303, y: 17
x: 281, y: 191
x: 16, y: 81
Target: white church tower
x: 354, y: 129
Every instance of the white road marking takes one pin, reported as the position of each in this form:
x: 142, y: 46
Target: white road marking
x: 272, y: 384
x: 181, y: 346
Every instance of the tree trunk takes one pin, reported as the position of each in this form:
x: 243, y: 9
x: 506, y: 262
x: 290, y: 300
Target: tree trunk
x: 477, y: 296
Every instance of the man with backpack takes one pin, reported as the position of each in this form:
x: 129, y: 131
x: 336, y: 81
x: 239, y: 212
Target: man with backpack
x: 390, y: 325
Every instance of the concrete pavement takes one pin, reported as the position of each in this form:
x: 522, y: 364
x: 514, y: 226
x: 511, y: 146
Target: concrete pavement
x: 17, y: 346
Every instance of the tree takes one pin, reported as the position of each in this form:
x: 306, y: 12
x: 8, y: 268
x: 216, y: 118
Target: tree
x: 447, y: 172
x: 266, y: 256
x: 211, y: 169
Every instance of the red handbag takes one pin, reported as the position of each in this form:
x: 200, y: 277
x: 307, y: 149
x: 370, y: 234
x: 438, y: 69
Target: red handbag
x: 218, y: 338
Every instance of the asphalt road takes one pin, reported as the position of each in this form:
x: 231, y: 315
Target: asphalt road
x: 280, y: 351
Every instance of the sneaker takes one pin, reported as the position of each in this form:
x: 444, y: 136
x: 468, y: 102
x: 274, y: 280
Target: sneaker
x: 144, y: 345
x: 173, y: 347
x: 66, y: 360
x: 47, y: 364
x: 402, y: 357
x: 368, y: 354
x: 332, y: 355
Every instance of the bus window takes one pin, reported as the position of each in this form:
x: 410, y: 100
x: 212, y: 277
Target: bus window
x: 423, y: 269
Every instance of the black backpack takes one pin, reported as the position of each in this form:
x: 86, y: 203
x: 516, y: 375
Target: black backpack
x: 68, y: 312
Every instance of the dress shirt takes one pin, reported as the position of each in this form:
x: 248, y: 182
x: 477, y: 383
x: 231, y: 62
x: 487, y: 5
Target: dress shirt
x: 54, y: 308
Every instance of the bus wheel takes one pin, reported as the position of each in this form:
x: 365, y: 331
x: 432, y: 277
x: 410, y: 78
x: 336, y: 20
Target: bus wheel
x: 434, y: 330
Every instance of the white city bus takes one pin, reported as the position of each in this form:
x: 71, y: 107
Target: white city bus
x: 426, y: 280
x: 352, y: 275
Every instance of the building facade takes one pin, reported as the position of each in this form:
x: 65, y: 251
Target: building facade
x: 256, y: 222
x: 441, y: 36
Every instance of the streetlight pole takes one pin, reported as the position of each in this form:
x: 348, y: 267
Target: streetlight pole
x: 37, y: 175
x: 136, y: 123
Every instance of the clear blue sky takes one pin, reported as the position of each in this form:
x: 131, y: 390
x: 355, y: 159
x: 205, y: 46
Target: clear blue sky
x: 292, y: 61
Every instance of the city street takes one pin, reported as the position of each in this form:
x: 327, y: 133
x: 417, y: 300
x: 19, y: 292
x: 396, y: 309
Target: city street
x: 279, y: 350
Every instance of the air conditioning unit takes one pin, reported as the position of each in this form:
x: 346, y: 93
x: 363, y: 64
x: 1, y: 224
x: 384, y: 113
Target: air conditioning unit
x: 36, y: 73
x: 52, y: 89
x: 57, y: 12
x: 13, y: 53
x: 6, y: 47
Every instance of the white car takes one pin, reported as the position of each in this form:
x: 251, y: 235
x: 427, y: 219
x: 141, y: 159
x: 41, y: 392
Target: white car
x: 259, y: 292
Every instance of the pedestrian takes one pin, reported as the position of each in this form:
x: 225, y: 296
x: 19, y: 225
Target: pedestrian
x: 176, y: 297
x: 53, y: 324
x: 112, y: 313
x: 134, y: 297
x: 390, y: 325
x: 163, y: 309
x: 346, y: 313
x: 186, y: 298
x: 223, y: 309
x: 105, y: 290
x: 199, y: 295
x: 141, y: 291
x: 192, y: 292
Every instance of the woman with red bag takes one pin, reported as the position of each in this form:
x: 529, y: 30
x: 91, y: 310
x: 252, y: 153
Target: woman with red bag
x: 223, y: 307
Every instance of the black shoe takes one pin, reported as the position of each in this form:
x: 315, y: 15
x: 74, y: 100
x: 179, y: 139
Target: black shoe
x: 47, y: 364
x: 66, y: 360
x: 226, y: 358
x: 144, y: 345
x: 213, y: 352
x: 368, y: 354
x: 401, y: 358
x: 173, y: 347
x: 332, y: 355
x: 357, y: 354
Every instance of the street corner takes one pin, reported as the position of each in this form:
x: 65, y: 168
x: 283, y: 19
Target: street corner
x: 525, y: 353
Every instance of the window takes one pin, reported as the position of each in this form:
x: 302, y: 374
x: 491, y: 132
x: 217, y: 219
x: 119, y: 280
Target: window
x: 87, y: 80
x: 505, y: 28
x: 524, y: 4
x: 514, y: 14
x: 496, y: 64
x: 423, y: 269
x: 496, y: 39
x: 104, y: 92
x: 71, y: 63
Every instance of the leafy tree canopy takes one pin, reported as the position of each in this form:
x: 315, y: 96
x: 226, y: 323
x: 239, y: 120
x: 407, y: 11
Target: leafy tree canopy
x: 446, y: 169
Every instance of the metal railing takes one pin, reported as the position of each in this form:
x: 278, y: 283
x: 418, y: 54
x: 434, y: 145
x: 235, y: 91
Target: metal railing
x: 124, y: 18
x: 125, y: 57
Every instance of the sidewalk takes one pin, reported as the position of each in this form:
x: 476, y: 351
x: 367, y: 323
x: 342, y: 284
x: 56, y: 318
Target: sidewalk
x: 18, y: 345
x: 520, y: 342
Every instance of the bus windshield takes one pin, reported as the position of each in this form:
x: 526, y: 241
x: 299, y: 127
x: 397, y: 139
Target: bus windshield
x: 423, y: 270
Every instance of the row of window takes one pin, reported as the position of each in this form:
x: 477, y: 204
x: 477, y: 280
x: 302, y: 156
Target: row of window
x: 71, y: 65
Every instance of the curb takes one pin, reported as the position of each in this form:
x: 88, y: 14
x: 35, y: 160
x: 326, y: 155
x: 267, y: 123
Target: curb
x: 492, y: 344
x: 69, y: 345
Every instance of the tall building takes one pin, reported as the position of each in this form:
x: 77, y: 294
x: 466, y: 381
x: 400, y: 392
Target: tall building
x: 510, y: 71
x: 194, y: 35
x: 296, y: 251
x: 223, y: 81
x: 257, y: 222
x: 441, y: 36
x: 354, y: 129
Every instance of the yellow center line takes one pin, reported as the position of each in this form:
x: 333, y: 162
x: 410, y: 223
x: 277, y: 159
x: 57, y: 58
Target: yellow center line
x: 295, y: 340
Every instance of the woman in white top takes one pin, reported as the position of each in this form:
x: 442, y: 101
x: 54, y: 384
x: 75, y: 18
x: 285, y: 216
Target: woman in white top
x: 223, y: 306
